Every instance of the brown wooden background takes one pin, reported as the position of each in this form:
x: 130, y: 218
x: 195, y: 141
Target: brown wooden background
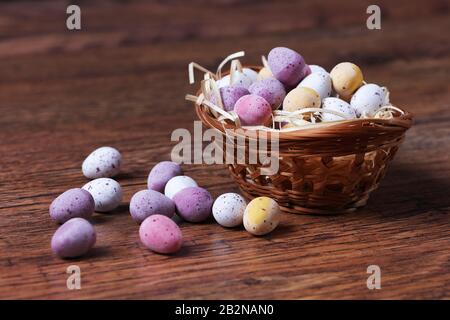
x: 121, y: 82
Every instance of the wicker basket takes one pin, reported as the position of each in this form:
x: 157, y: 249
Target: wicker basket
x: 328, y: 169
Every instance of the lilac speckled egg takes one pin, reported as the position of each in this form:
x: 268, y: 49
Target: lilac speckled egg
x: 271, y: 90
x: 229, y: 95
x: 287, y: 66
x: 103, y: 162
x: 74, y: 238
x: 149, y: 202
x: 72, y: 203
x: 160, y: 234
x: 193, y: 204
x: 253, y: 110
x: 161, y: 173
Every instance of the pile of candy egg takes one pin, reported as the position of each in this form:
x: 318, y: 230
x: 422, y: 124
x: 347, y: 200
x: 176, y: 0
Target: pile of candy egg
x: 169, y: 192
x: 289, y: 93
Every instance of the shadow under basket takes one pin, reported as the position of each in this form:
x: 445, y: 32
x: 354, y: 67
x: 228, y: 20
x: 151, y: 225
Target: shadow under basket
x: 328, y: 169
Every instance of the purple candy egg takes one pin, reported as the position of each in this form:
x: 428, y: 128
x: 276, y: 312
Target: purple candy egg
x: 149, y: 202
x: 161, y: 173
x: 72, y: 203
x: 193, y: 204
x: 287, y: 66
x: 230, y: 94
x: 271, y: 90
x: 74, y: 238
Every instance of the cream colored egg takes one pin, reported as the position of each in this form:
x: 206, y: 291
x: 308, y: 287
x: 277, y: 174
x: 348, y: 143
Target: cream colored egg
x: 315, y: 68
x: 367, y: 100
x: 103, y: 162
x: 319, y: 82
x: 301, y: 97
x: 261, y: 216
x: 346, y: 78
x: 228, y: 209
x: 264, y: 73
x: 339, y: 106
x: 178, y: 183
x: 106, y: 192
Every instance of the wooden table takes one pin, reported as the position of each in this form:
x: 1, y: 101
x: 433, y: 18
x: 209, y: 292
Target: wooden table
x: 121, y: 81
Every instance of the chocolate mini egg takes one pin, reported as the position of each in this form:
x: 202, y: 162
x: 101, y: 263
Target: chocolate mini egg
x: 315, y: 68
x: 367, y: 100
x: 319, y: 82
x: 72, y: 203
x: 161, y: 174
x: 253, y: 110
x: 74, y: 238
x: 103, y: 162
x: 193, y: 204
x: 228, y: 209
x: 252, y: 74
x: 239, y: 79
x: 161, y: 234
x: 106, y: 192
x: 271, y: 90
x: 301, y: 97
x: 287, y: 66
x: 338, y: 105
x: 176, y: 184
x: 230, y: 94
x: 346, y: 78
x: 261, y: 216
x: 149, y: 202
x: 264, y: 73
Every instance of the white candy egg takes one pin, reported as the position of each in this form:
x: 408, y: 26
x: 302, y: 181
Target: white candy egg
x: 319, y: 82
x: 315, y: 68
x: 367, y: 100
x: 252, y: 74
x: 338, y: 105
x: 106, y: 192
x: 239, y: 79
x: 103, y: 162
x: 178, y: 183
x: 228, y: 209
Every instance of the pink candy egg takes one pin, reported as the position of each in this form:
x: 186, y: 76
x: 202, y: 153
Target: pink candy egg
x: 253, y: 110
x: 160, y: 234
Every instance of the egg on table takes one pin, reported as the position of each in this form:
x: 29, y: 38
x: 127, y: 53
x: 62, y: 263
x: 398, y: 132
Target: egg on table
x: 261, y: 216
x: 193, y: 204
x: 319, y: 82
x: 149, y: 202
x: 337, y: 105
x: 271, y: 90
x: 74, y: 238
x: 301, y: 97
x: 72, y: 203
x: 228, y: 209
x: 106, y: 192
x: 287, y: 66
x: 253, y: 110
x: 161, y: 234
x: 367, y: 100
x: 346, y: 77
x: 178, y: 183
x: 103, y: 162
x: 161, y: 173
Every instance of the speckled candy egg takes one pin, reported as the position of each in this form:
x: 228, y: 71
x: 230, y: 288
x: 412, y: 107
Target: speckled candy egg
x: 229, y: 95
x: 161, y: 174
x: 239, y: 79
x: 193, y: 204
x: 252, y: 74
x: 338, y: 105
x: 72, y: 203
x: 176, y: 184
x: 253, y: 110
x: 228, y: 209
x: 367, y: 100
x: 271, y: 90
x: 301, y: 97
x: 346, y: 78
x: 319, y: 82
x: 261, y: 216
x: 74, y: 238
x: 106, y: 192
x: 315, y: 68
x: 149, y: 202
x: 103, y: 162
x: 287, y: 66
x: 160, y: 234
x: 264, y: 73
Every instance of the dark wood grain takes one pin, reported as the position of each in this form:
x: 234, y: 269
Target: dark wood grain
x: 121, y: 82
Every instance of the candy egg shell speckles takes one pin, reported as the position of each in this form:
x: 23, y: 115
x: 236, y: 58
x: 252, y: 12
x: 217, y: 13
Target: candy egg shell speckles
x: 161, y: 174
x: 301, y: 97
x: 193, y: 204
x: 229, y: 95
x: 160, y: 234
x: 239, y: 79
x: 315, y: 68
x: 72, y: 203
x: 319, y: 82
x: 176, y: 184
x: 74, y: 238
x: 338, y: 105
x: 228, y: 209
x: 106, y: 192
x: 261, y: 216
x: 271, y: 90
x: 367, y: 100
x: 103, y: 162
x: 149, y: 202
x: 252, y: 74
x: 264, y: 73
x: 346, y: 78
x: 287, y: 66
x: 253, y: 110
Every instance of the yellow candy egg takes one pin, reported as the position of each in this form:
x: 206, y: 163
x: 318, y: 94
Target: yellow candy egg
x: 301, y: 97
x: 261, y: 216
x: 264, y: 73
x: 346, y: 78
